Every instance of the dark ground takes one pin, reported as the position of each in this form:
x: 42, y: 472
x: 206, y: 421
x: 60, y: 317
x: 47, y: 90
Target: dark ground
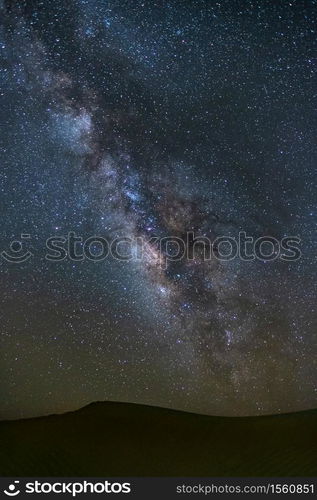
x: 120, y: 439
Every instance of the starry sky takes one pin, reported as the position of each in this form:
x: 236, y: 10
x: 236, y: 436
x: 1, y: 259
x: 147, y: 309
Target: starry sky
x: 150, y: 119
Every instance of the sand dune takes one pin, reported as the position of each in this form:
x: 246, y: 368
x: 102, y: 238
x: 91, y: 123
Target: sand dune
x: 121, y: 439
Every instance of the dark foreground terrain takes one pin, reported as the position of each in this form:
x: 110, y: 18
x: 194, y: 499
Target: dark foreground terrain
x: 120, y: 439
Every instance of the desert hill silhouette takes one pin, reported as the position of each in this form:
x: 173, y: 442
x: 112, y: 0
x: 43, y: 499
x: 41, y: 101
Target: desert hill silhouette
x: 123, y: 439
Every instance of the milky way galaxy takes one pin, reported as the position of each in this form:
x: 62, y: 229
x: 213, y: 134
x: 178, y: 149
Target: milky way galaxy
x: 150, y: 120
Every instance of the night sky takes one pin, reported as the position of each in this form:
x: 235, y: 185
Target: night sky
x: 150, y: 119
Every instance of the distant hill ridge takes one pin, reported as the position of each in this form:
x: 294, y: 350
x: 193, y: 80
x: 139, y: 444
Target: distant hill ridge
x: 123, y: 439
